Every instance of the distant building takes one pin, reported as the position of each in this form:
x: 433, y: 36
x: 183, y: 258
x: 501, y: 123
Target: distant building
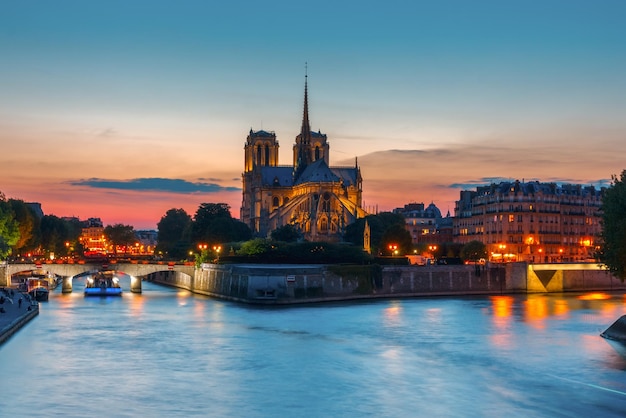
x: 426, y: 225
x: 92, y: 237
x: 316, y: 198
x: 535, y: 222
x: 146, y: 242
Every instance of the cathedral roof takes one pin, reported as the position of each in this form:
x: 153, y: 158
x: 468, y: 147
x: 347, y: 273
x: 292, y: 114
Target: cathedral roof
x: 317, y: 172
x: 277, y: 176
x: 349, y: 175
x: 262, y: 133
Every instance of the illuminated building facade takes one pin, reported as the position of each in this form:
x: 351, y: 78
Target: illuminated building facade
x: 534, y: 222
x: 425, y: 224
x: 319, y: 200
x: 92, y: 237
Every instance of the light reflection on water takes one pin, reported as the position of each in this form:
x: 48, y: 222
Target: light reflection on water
x: 170, y: 353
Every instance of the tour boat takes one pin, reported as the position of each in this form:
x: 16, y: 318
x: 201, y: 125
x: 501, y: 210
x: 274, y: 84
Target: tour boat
x: 103, y: 284
x: 38, y: 288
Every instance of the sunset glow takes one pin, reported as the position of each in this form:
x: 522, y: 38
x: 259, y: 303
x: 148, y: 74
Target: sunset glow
x: 124, y: 111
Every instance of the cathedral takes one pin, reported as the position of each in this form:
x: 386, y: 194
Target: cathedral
x: 319, y: 200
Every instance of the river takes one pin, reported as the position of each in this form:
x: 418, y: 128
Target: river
x: 169, y: 353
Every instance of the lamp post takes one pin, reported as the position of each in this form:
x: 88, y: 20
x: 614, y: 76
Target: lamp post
x: 432, y: 249
x: 393, y: 249
x: 217, y: 249
x: 502, y: 248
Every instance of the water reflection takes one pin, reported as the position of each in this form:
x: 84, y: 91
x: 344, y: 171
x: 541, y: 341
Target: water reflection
x: 168, y: 353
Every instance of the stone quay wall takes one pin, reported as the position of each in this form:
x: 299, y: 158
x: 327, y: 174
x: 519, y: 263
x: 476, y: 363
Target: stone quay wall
x: 289, y: 284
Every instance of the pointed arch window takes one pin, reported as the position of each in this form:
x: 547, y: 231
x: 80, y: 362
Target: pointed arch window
x: 267, y: 154
x: 317, y: 153
x: 258, y: 155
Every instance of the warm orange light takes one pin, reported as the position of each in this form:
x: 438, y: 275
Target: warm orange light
x: 594, y: 296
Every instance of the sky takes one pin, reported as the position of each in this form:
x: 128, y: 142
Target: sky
x: 123, y: 110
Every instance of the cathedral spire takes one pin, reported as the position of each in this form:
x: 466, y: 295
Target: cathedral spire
x: 305, y: 131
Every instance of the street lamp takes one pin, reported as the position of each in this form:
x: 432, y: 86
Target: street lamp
x: 393, y: 248
x: 502, y: 248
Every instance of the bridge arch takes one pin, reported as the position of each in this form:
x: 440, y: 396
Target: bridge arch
x: 68, y: 271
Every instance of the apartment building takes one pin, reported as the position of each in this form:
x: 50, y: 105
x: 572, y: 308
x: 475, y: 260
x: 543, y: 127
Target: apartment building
x: 531, y: 221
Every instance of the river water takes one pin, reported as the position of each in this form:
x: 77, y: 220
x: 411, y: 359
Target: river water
x: 169, y: 353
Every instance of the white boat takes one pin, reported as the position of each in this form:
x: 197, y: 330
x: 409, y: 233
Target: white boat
x: 103, y: 284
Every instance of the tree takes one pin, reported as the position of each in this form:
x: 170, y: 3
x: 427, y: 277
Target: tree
x: 474, y: 251
x: 27, y: 222
x: 286, y: 233
x: 120, y: 235
x: 9, y: 228
x: 55, y: 233
x: 173, y: 236
x: 378, y: 225
x: 613, y: 236
x: 213, y: 224
x: 255, y: 246
x: 396, y: 235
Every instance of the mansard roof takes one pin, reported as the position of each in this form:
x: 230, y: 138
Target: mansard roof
x: 534, y: 187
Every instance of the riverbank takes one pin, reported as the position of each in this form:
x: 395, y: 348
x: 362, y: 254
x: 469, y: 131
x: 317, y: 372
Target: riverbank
x: 13, y: 313
x: 276, y: 284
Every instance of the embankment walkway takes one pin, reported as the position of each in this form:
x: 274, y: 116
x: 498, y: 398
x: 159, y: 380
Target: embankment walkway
x: 13, y: 313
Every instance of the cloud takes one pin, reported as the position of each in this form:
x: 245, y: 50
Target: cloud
x: 155, y: 184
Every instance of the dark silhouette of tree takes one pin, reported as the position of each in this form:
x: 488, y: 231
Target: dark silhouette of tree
x: 213, y: 224
x: 173, y: 234
x: 378, y: 224
x: 120, y: 235
x: 399, y: 237
x: 613, y: 247
x: 56, y: 232
x: 286, y: 233
x: 474, y: 251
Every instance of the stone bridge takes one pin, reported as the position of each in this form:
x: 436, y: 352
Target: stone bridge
x: 68, y: 271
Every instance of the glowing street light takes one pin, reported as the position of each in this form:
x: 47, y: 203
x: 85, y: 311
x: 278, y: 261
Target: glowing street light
x: 393, y: 248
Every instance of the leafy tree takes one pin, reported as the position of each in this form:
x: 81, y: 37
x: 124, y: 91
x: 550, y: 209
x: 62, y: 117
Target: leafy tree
x: 286, y: 233
x: 378, y: 225
x: 448, y: 249
x: 9, y: 228
x: 613, y: 249
x: 474, y: 251
x: 26, y: 220
x: 173, y: 233
x: 255, y: 246
x: 214, y: 224
x: 397, y: 234
x: 120, y: 235
x: 55, y: 233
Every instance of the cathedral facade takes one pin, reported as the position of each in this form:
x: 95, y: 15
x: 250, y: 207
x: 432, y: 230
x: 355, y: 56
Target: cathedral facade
x: 317, y: 199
